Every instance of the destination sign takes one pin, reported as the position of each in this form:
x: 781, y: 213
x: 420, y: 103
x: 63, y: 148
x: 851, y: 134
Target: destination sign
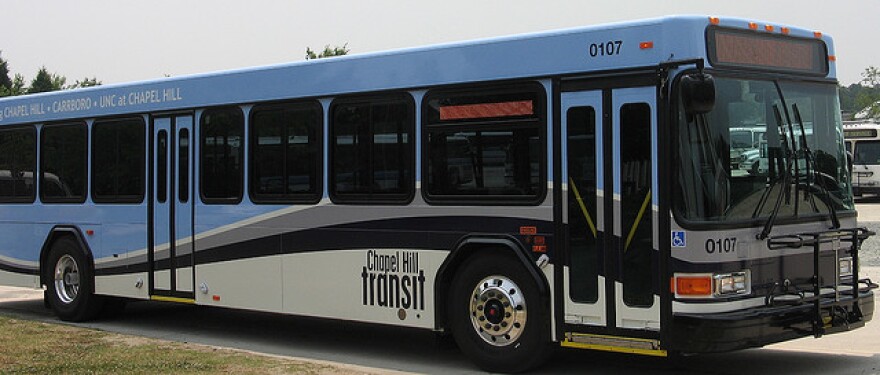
x: 758, y: 50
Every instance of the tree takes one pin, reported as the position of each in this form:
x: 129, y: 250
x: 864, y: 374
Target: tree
x: 867, y: 100
x: 5, y: 82
x: 17, y: 88
x: 328, y: 52
x: 45, y: 82
x: 871, y: 77
x: 86, y: 82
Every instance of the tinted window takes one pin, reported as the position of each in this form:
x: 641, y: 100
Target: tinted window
x: 372, y: 150
x: 285, y: 149
x: 222, y: 152
x: 162, y: 166
x: 17, y: 164
x: 118, y: 156
x: 183, y: 165
x: 582, y: 208
x: 486, y: 145
x: 63, y: 163
x: 635, y: 202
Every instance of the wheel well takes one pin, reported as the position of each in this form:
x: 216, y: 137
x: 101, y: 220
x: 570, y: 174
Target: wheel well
x: 469, y: 247
x: 57, y: 233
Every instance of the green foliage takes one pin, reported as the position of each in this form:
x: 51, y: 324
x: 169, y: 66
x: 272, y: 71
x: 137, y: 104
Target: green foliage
x: 17, y: 88
x: 328, y: 52
x: 45, y: 82
x: 86, y: 82
x: 5, y: 82
x: 867, y: 99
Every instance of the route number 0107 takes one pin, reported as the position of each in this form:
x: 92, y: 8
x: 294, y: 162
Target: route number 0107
x: 608, y: 48
x: 720, y: 245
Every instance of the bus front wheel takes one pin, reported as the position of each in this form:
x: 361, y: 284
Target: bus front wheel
x: 70, y: 283
x: 497, y: 316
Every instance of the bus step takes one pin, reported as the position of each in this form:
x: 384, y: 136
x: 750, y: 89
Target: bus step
x: 614, y: 344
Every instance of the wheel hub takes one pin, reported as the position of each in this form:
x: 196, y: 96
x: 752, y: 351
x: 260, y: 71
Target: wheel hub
x: 498, y: 310
x: 66, y: 279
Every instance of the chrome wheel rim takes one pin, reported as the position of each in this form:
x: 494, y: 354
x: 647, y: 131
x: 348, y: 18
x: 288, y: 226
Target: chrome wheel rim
x: 498, y: 310
x: 66, y: 279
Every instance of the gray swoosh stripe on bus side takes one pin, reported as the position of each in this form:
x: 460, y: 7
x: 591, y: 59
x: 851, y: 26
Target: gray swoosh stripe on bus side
x: 392, y: 233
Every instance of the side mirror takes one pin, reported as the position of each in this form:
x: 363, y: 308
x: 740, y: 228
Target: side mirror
x: 698, y: 93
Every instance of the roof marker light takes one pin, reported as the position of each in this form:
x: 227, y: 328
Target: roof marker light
x: 646, y: 45
x: 785, y: 30
x: 714, y: 20
x: 769, y: 28
x: 817, y: 34
x: 753, y: 26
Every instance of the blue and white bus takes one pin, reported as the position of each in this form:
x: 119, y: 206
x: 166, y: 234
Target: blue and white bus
x: 570, y: 188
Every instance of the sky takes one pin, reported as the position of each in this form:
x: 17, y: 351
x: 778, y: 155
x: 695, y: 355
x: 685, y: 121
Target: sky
x: 122, y: 41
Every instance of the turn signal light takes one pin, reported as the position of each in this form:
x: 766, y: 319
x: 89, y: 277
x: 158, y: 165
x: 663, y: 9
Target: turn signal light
x: 693, y: 285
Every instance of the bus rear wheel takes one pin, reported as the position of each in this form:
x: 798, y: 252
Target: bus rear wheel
x: 497, y: 316
x: 70, y: 283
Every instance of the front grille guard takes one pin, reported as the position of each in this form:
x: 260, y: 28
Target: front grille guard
x: 834, y: 298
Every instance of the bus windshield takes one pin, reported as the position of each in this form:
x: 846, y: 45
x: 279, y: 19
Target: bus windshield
x: 799, y: 161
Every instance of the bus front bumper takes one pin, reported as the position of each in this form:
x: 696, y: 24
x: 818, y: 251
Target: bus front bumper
x: 756, y: 327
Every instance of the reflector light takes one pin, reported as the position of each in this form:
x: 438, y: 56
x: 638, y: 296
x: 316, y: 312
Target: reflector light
x: 215, y: 298
x: 528, y: 231
x: 693, y: 285
x: 846, y: 266
x: 646, y: 45
x: 753, y: 25
x: 540, y: 240
x: 832, y: 58
x: 714, y: 20
x: 487, y: 110
x: 90, y: 232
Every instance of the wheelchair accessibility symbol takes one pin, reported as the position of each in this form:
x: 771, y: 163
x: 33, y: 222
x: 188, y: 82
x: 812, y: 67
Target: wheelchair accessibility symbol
x: 679, y: 239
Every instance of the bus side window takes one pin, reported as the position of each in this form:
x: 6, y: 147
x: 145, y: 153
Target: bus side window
x: 118, y: 159
x: 371, y: 149
x: 222, y: 155
x: 17, y: 164
x: 285, y: 154
x: 63, y: 154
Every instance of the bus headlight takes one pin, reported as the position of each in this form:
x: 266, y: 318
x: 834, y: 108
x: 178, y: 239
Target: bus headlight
x: 846, y: 266
x: 731, y: 283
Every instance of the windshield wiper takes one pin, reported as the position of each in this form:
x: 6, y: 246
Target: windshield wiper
x: 811, y: 163
x: 786, y: 177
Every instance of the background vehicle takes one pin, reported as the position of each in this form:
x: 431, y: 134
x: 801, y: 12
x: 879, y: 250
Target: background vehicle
x: 863, y: 142
x: 568, y: 188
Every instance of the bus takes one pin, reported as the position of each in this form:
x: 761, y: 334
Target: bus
x: 863, y: 143
x: 569, y: 188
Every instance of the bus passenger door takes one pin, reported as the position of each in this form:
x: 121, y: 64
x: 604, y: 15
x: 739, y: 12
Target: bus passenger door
x: 171, y: 223
x: 608, y: 211
x: 583, y: 211
x: 634, y: 144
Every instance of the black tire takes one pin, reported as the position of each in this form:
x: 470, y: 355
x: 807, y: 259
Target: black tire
x: 498, y: 294
x: 70, y: 282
